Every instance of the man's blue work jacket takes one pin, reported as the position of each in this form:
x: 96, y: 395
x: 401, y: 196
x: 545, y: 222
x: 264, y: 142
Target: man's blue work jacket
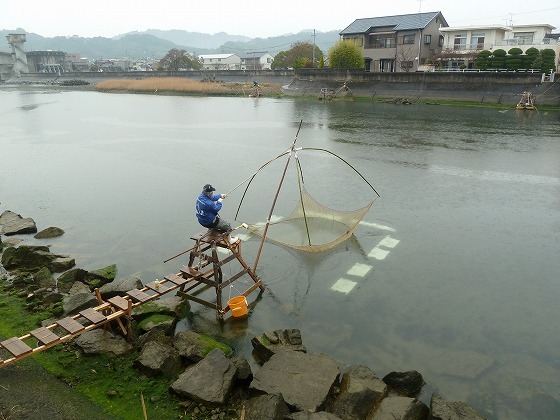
x: 207, y: 208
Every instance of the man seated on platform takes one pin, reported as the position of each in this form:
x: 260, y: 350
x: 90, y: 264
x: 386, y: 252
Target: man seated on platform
x: 208, y: 205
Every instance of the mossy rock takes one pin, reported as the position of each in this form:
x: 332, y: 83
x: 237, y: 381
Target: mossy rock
x: 109, y: 272
x: 167, y: 322
x: 169, y: 305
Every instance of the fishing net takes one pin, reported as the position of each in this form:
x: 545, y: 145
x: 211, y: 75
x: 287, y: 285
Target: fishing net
x: 311, y: 226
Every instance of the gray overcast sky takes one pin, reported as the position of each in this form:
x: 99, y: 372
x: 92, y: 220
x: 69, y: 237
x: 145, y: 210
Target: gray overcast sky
x: 251, y: 18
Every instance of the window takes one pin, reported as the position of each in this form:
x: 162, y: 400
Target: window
x: 477, y: 41
x: 356, y: 40
x: 440, y: 41
x: 427, y: 39
x: 524, y: 38
x: 383, y: 41
x: 460, y: 42
x: 408, y: 39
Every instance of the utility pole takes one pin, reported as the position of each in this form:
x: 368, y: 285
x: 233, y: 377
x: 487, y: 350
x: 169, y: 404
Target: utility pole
x: 313, y: 61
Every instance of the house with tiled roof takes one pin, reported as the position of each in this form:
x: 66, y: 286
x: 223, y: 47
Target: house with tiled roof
x: 397, y: 43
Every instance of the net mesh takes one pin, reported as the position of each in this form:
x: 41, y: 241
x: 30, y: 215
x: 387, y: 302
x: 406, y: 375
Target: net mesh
x: 311, y: 226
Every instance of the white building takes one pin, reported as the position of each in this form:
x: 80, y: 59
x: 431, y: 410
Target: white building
x: 220, y: 61
x: 257, y: 61
x: 468, y: 40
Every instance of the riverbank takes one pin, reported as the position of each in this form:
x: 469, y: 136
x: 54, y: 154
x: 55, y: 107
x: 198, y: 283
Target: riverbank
x: 142, y: 381
x: 473, y: 89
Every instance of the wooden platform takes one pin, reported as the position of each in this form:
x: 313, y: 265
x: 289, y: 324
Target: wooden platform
x: 204, y: 270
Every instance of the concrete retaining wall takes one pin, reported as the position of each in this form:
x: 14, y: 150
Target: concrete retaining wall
x: 505, y: 88
x: 453, y: 86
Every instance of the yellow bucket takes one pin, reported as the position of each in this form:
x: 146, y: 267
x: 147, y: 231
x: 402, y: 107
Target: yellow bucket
x: 238, y: 306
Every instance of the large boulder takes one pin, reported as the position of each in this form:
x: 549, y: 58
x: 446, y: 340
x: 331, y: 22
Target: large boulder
x: 305, y: 381
x: 33, y: 258
x: 120, y: 287
x: 50, y: 232
x: 77, y: 288
x: 409, y: 383
x: 194, y: 347
x: 209, y: 381
x: 100, y: 341
x: 156, y: 358
x: 98, y: 278
x: 167, y: 304
x: 400, y: 408
x: 163, y: 322
x: 272, y: 407
x: 68, y: 278
x: 269, y: 343
x: 73, y: 304
x: 443, y: 410
x: 27, y: 257
x: 44, y: 278
x: 62, y: 263
x: 360, y: 392
x: 13, y: 224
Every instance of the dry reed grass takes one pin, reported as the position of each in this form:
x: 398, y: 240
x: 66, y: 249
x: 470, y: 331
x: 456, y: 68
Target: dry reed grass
x: 182, y: 85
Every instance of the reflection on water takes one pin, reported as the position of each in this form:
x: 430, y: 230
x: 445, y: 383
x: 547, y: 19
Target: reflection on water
x: 453, y: 273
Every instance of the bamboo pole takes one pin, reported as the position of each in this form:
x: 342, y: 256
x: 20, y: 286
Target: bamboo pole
x: 291, y: 151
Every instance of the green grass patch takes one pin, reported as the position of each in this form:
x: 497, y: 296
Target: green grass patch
x: 111, y: 382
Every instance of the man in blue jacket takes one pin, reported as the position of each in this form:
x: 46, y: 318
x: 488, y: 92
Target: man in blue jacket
x: 208, y: 205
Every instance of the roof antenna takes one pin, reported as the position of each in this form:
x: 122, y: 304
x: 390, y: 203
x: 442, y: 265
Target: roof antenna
x: 420, y: 8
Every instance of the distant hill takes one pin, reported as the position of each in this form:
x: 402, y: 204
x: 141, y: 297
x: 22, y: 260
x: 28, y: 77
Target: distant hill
x: 196, y: 39
x: 155, y: 43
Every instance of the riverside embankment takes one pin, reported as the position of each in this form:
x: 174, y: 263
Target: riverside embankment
x: 474, y: 87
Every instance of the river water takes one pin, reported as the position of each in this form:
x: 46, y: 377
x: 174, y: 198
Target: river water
x: 454, y: 272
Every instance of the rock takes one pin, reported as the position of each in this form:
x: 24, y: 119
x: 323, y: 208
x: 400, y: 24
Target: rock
x: 26, y: 258
x: 195, y: 347
x: 157, y: 358
x: 75, y: 303
x: 77, y: 288
x: 410, y: 383
x: 269, y: 343
x: 50, y: 298
x: 62, y: 263
x: 101, y: 341
x: 164, y: 322
x: 244, y: 375
x: 68, y: 278
x: 443, y: 410
x: 155, y: 334
x: 305, y: 381
x: 209, y: 381
x: 44, y: 278
x: 120, y: 287
x: 360, y: 392
x: 271, y: 407
x: 13, y: 224
x: 168, y: 304
x: 400, y: 408
x: 50, y: 232
x: 98, y: 278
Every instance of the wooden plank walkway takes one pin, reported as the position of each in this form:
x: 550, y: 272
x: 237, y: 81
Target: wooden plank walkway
x: 16, y: 348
